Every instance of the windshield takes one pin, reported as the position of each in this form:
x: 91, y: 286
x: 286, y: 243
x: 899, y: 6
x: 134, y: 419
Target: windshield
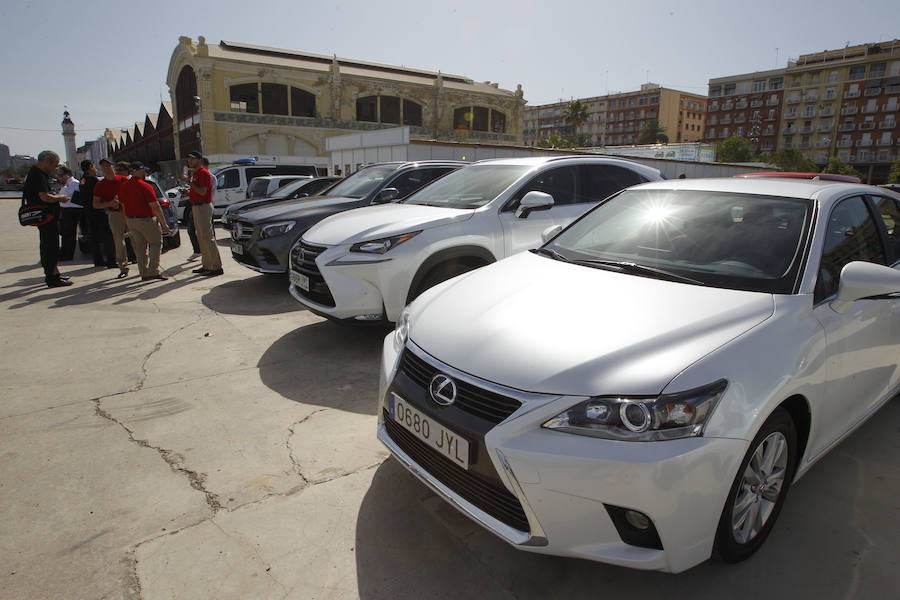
x: 736, y: 241
x: 257, y: 188
x: 362, y: 182
x: 469, y: 187
x: 289, y: 188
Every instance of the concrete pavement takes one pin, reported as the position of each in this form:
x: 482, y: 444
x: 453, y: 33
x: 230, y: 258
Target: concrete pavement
x: 208, y: 438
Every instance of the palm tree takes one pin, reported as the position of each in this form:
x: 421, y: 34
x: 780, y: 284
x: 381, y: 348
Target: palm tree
x: 652, y: 133
x: 576, y: 115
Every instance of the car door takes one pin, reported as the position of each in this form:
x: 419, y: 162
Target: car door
x: 228, y: 187
x: 861, y: 344
x: 415, y: 179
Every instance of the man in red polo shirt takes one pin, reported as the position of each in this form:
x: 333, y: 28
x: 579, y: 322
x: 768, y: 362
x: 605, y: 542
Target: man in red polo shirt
x: 106, y: 195
x: 144, y: 217
x: 202, y: 211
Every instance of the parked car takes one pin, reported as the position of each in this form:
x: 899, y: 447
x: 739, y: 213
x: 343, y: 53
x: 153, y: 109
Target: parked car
x: 262, y: 238
x: 232, y: 181
x: 367, y: 264
x: 643, y: 389
x: 300, y: 188
x: 264, y: 186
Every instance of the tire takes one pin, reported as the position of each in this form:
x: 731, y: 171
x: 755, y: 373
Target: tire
x: 440, y: 274
x: 772, y: 455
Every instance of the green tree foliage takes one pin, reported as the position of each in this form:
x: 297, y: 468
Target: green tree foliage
x: 789, y: 159
x: 894, y: 177
x: 576, y: 115
x: 555, y: 141
x: 653, y: 133
x: 836, y: 165
x: 735, y: 149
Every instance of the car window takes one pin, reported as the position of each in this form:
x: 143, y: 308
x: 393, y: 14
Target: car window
x: 257, y: 187
x: 362, y: 182
x: 599, y: 182
x: 470, y: 187
x: 229, y: 178
x: 314, y: 187
x: 889, y: 209
x: 561, y: 183
x: 410, y: 181
x: 850, y: 235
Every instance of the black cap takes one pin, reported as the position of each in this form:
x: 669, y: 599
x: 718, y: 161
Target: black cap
x: 194, y: 154
x: 107, y: 160
x: 137, y: 165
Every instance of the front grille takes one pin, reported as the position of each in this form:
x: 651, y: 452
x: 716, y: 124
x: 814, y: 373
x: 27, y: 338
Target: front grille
x: 241, y: 231
x: 490, y: 497
x: 475, y: 400
x: 303, y: 260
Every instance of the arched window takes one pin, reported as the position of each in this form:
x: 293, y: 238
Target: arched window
x: 479, y: 118
x: 303, y: 104
x: 274, y: 99
x: 388, y: 109
x: 185, y: 91
x: 245, y: 98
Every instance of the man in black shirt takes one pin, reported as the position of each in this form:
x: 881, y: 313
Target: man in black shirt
x: 37, y: 192
x: 101, y: 236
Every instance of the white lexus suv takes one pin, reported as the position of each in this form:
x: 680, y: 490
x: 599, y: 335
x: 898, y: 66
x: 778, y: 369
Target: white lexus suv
x: 367, y: 264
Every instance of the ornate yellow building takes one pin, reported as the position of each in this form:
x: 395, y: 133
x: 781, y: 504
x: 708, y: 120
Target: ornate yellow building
x: 234, y: 99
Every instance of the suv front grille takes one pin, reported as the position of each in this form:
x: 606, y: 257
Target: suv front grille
x: 303, y: 260
x: 492, y: 498
x: 475, y: 400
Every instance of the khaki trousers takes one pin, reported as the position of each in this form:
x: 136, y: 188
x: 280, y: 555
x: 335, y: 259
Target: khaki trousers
x: 146, y: 238
x: 117, y: 227
x: 206, y: 236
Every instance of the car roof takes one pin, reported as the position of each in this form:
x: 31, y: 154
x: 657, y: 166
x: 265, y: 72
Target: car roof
x: 784, y: 187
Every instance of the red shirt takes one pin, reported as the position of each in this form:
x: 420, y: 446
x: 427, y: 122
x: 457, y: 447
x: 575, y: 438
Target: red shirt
x: 136, y: 196
x: 107, y: 189
x: 201, y: 178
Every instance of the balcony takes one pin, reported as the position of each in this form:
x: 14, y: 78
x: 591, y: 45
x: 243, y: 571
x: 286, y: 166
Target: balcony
x: 887, y: 124
x: 728, y: 106
x: 851, y: 94
x: 712, y: 121
x: 772, y: 101
x: 810, y: 113
x: 756, y: 104
x: 873, y: 91
x: 890, y: 107
x: 867, y: 110
x: 867, y: 126
x: 811, y: 98
x: 806, y: 129
x: 827, y: 111
x: 864, y: 143
x: 886, y: 142
x: 789, y: 144
x: 740, y: 118
x: 824, y: 126
x: 846, y: 127
x: 793, y: 100
x: 849, y: 110
x: 822, y: 144
x: 741, y: 105
x: 790, y: 131
x: 844, y: 144
x: 712, y: 108
x: 805, y: 145
x: 726, y: 120
x: 769, y: 131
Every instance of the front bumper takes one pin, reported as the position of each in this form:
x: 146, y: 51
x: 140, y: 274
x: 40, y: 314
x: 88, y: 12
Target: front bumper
x: 563, y: 482
x: 269, y: 255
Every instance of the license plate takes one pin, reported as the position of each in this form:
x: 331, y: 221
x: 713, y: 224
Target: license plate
x: 448, y: 443
x: 300, y: 280
x: 237, y: 248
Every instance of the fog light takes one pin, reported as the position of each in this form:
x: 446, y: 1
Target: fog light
x: 368, y: 317
x: 637, y: 520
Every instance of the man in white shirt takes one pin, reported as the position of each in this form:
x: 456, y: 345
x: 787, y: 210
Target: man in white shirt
x: 71, y: 215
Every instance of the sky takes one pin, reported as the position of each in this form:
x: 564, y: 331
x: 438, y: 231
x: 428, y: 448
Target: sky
x: 107, y: 62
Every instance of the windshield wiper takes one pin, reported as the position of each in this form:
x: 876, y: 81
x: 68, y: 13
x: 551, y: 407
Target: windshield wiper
x: 551, y: 253
x: 636, y: 269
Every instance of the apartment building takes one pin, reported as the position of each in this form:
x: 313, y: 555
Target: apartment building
x: 617, y: 119
x: 833, y: 103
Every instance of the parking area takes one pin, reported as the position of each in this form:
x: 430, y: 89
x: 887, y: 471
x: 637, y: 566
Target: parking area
x: 209, y: 438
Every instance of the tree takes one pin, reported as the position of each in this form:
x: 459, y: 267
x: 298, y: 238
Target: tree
x: 789, y: 159
x: 836, y: 165
x: 555, y: 141
x: 653, y: 133
x: 735, y: 149
x: 576, y: 115
x: 894, y: 177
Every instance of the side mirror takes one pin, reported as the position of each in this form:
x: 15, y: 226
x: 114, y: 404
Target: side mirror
x: 172, y: 194
x: 533, y: 201
x: 861, y: 280
x: 550, y: 233
x: 387, y: 195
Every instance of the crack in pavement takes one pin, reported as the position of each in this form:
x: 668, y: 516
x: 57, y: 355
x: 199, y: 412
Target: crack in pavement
x: 157, y: 347
x: 287, y: 443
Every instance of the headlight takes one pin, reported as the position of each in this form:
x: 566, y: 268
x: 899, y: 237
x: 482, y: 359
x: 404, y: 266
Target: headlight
x: 666, y: 417
x: 275, y: 229
x: 401, y: 333
x: 382, y: 245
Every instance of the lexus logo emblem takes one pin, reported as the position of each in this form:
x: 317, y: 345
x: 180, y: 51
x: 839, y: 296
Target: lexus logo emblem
x: 443, y: 390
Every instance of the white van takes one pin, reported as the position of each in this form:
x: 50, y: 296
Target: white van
x: 232, y: 180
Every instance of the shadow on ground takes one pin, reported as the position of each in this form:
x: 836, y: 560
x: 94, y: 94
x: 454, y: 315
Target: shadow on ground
x: 326, y: 364
x: 259, y: 295
x: 412, y: 544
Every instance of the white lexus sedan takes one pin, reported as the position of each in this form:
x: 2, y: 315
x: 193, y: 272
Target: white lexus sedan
x: 643, y: 389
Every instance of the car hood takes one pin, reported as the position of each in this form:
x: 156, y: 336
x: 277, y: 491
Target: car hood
x: 383, y: 220
x: 539, y: 325
x: 299, y: 207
